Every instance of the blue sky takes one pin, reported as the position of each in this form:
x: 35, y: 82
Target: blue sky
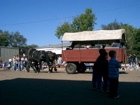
x: 37, y: 20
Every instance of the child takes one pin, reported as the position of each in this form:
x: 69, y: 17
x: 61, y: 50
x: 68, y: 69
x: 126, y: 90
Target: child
x: 114, y: 66
x: 100, y: 70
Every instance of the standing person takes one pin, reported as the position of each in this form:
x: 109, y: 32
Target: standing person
x: 4, y: 65
x: 10, y: 62
x: 98, y: 69
x: 14, y: 63
x: 26, y: 64
x: 59, y: 61
x: 134, y: 59
x: 104, y: 72
x: 22, y: 62
x: 17, y: 59
x: 114, y: 66
x: 19, y: 64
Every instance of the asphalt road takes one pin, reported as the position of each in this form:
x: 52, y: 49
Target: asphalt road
x: 60, y: 88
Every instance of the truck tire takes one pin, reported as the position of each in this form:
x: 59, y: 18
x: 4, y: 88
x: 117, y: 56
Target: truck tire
x: 71, y: 68
x: 81, y: 68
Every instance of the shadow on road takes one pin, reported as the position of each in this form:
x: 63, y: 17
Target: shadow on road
x: 22, y: 91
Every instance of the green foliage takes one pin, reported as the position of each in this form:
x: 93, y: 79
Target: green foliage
x: 66, y: 27
x: 3, y: 38
x: 17, y: 40
x: 136, y: 47
x: 112, y: 26
x: 83, y: 22
x: 12, y: 40
x: 31, y: 46
x: 132, y: 36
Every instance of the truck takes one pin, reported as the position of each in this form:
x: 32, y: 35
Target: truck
x: 76, y: 56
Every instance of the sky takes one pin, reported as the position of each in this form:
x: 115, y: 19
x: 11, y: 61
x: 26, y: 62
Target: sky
x: 37, y: 20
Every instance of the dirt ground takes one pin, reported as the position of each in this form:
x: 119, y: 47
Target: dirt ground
x: 60, y: 88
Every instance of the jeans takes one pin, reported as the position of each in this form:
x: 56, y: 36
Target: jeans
x: 19, y: 66
x: 14, y: 66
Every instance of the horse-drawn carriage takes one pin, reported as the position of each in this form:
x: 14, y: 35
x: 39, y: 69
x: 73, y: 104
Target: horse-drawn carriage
x: 78, y: 55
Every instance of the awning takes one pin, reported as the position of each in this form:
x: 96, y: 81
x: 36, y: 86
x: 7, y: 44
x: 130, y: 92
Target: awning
x: 94, y: 35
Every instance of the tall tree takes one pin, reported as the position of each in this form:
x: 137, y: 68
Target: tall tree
x: 83, y: 22
x: 137, y: 42
x: 112, y: 26
x: 66, y: 27
x: 17, y: 40
x: 4, y: 38
x: 130, y: 33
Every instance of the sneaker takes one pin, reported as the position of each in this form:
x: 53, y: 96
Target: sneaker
x: 117, y: 97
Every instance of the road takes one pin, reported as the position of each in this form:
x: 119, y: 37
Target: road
x: 60, y: 88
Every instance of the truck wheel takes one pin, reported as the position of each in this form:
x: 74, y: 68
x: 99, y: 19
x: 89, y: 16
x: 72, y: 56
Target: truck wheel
x: 81, y: 68
x: 71, y: 68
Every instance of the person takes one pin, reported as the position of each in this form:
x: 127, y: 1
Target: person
x: 22, y: 63
x: 113, y: 68
x: 85, y: 46
x: 17, y: 59
x: 134, y: 58
x: 59, y: 60
x: 100, y: 69
x: 130, y: 59
x: 14, y: 63
x: 10, y: 62
x: 116, y: 44
x: 26, y: 64
x: 8, y: 66
x: 4, y: 65
x: 136, y: 67
x: 19, y: 64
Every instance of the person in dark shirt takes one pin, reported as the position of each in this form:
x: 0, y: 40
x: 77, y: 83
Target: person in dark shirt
x: 100, y: 70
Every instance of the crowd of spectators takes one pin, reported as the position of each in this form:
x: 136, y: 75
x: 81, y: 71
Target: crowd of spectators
x: 133, y: 63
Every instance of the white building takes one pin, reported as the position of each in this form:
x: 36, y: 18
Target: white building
x: 55, y: 48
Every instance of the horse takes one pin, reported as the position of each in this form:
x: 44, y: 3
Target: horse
x: 53, y: 60
x: 35, y: 58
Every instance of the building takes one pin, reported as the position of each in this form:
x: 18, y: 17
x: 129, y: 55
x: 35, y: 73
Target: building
x: 55, y: 48
x: 6, y: 53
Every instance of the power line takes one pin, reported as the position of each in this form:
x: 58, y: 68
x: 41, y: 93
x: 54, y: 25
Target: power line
x: 118, y: 8
x: 37, y: 21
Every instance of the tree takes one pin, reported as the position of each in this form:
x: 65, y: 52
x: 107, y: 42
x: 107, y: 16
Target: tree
x: 132, y: 35
x: 17, y: 40
x: 137, y: 42
x: 112, y: 26
x: 66, y: 27
x: 83, y: 22
x: 4, y: 38
x: 32, y: 46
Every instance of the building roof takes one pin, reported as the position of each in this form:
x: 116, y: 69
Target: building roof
x: 57, y: 45
x: 55, y: 48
